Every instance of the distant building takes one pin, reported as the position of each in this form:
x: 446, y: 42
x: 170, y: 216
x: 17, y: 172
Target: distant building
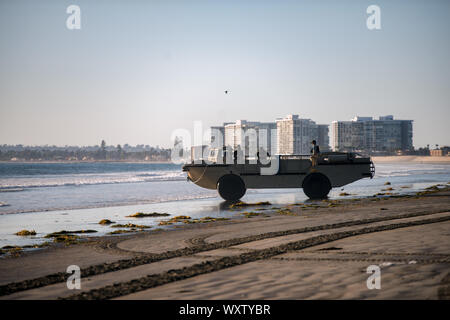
x: 347, y: 135
x: 323, y: 137
x: 367, y: 134
x: 218, y: 135
x: 245, y: 135
x: 294, y: 135
x: 442, y: 152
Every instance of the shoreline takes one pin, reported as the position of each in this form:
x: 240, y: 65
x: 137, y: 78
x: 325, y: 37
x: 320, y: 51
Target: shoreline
x: 268, y: 239
x: 409, y: 159
x: 83, y: 217
x: 106, y: 206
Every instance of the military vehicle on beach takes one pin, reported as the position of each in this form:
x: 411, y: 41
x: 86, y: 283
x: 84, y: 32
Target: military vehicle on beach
x: 231, y: 177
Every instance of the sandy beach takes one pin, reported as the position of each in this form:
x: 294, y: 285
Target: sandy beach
x: 314, y: 250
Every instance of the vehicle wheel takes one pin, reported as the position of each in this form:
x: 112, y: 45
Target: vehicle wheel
x: 231, y: 187
x: 316, y: 186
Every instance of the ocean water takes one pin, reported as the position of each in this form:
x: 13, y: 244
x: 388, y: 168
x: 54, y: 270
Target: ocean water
x: 69, y: 196
x: 26, y: 187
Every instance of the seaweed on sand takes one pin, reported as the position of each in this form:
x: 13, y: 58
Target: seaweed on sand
x: 433, y: 189
x: 67, y: 237
x: 105, y: 221
x: 174, y: 220
x: 65, y: 232
x: 120, y: 231
x: 250, y: 214
x: 15, y: 250
x: 285, y: 211
x: 204, y: 220
x: 241, y: 204
x: 180, y: 218
x: 25, y: 233
x: 383, y: 194
x: 144, y: 215
x: 130, y: 225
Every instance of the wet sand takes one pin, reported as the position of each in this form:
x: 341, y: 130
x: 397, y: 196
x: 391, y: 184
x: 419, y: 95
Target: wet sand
x: 319, y: 250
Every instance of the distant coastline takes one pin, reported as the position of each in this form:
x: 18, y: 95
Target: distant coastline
x: 379, y: 159
x: 85, y: 161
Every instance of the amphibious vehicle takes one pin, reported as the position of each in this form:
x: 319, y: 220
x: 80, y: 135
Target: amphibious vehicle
x: 316, y: 176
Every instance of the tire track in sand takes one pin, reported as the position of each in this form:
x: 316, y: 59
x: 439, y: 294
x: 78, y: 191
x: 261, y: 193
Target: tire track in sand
x: 199, y: 247
x: 151, y: 281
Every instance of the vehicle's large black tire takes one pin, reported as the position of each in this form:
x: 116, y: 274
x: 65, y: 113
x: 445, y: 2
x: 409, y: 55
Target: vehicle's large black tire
x: 231, y: 187
x: 316, y: 186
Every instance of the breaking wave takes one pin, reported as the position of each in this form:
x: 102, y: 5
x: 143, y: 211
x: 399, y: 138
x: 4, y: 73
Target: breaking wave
x: 19, y: 183
x: 388, y: 170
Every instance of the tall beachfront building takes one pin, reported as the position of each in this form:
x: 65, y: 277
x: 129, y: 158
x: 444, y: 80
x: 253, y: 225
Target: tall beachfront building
x: 246, y: 135
x: 289, y: 135
x: 323, y: 137
x: 369, y: 135
x: 218, y: 135
x: 294, y: 135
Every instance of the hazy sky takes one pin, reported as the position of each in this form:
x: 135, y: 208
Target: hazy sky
x: 137, y: 70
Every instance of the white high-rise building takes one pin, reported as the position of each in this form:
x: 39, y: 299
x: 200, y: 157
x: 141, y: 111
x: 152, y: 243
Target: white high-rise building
x: 295, y: 135
x: 367, y: 134
x: 251, y: 136
x: 289, y: 135
x: 323, y: 137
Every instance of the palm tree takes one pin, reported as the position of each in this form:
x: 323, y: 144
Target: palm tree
x: 103, y: 150
x: 119, y: 151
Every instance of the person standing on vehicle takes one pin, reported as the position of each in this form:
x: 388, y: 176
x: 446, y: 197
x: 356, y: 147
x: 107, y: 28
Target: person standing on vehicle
x: 315, y: 151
